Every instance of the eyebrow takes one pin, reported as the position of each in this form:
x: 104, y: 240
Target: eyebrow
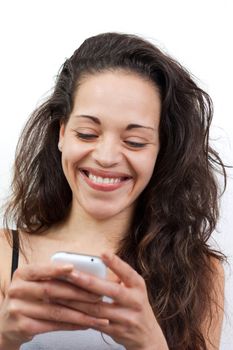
x: 129, y: 126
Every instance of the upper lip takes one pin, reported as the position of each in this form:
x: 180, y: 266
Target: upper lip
x: 104, y: 173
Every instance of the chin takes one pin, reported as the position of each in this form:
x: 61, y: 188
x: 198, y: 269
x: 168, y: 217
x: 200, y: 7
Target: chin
x: 102, y: 210
x: 107, y: 213
x: 102, y: 214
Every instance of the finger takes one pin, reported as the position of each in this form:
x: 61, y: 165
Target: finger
x: 102, y: 287
x: 114, y: 330
x: 29, y: 327
x: 43, y: 271
x: 53, y: 313
x: 103, y: 310
x: 50, y: 290
x: 123, y: 270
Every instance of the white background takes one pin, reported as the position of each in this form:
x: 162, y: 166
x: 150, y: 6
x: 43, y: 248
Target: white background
x: 37, y: 36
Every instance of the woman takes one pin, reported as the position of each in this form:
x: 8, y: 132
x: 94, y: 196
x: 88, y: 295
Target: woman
x: 116, y: 163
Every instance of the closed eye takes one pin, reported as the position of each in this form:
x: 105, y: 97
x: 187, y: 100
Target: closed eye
x: 85, y: 136
x: 135, y: 144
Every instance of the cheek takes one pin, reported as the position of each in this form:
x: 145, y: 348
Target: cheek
x: 72, y: 154
x: 144, y: 165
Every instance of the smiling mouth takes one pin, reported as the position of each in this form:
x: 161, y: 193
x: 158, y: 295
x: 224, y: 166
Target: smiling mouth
x: 104, y: 180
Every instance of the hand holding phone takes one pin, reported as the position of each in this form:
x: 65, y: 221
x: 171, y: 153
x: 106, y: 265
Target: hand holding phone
x: 82, y: 262
x: 90, y: 264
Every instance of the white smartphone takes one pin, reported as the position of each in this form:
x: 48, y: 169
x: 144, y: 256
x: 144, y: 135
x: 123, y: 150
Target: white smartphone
x: 85, y: 263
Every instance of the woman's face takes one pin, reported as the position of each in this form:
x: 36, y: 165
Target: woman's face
x: 110, y: 142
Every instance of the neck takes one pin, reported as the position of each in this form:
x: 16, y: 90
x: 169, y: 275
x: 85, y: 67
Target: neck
x: 100, y: 234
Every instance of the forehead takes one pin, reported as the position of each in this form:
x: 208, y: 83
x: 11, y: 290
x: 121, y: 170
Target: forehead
x: 118, y: 94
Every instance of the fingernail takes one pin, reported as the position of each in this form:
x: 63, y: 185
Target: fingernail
x: 106, y: 256
x: 102, y: 322
x: 74, y: 275
x: 67, y: 268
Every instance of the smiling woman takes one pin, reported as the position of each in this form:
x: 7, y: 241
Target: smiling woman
x: 105, y: 153
x: 117, y: 164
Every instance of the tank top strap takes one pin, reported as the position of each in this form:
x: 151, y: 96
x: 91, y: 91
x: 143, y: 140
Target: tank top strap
x: 15, y: 251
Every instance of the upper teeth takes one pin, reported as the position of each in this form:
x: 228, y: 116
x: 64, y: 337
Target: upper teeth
x: 103, y: 180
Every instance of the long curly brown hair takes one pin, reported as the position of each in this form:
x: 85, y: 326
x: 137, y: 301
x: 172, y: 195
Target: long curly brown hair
x: 176, y: 213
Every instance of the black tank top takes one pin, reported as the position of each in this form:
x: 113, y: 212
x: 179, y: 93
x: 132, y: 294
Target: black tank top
x: 15, y: 251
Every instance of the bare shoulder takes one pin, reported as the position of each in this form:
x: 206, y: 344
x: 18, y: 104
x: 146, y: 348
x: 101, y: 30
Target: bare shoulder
x: 218, y: 282
x: 5, y: 248
x: 5, y: 259
x: 217, y: 267
x: 212, y: 326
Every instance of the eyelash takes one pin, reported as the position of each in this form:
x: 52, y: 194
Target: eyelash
x: 135, y: 144
x: 92, y: 136
x: 85, y: 136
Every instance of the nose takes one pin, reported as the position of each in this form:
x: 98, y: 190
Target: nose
x: 107, y: 152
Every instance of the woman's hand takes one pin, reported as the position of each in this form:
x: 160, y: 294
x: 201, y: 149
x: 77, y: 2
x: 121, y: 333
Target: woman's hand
x: 131, y: 320
x: 27, y: 309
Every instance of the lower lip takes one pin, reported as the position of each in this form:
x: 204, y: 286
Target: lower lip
x: 103, y: 187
